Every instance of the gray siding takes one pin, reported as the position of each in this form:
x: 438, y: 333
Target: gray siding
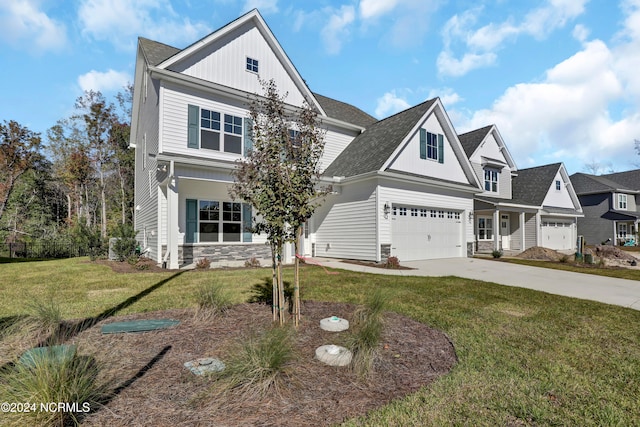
x: 531, y: 231
x: 146, y: 183
x: 593, y: 226
x: 504, y: 181
x: 516, y: 239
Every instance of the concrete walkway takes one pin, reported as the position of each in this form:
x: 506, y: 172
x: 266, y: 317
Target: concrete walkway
x: 623, y: 292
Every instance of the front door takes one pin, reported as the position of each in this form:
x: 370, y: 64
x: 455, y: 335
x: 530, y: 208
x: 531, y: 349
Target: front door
x: 505, y: 231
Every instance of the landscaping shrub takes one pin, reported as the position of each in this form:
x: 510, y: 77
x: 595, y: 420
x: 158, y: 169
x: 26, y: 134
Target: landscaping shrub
x: 496, y: 253
x: 125, y: 245
x: 253, y: 262
x: 259, y: 364
x: 212, y: 299
x: 392, y: 262
x: 52, y: 379
x: 262, y: 293
x: 367, y: 328
x: 203, y: 263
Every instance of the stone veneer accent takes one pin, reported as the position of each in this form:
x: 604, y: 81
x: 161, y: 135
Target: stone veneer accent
x: 485, y: 246
x: 224, y: 255
x: 470, y: 249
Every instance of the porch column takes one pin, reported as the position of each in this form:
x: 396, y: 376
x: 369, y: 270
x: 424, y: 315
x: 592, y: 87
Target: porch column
x: 172, y: 222
x: 538, y: 230
x: 496, y: 230
x: 523, y: 235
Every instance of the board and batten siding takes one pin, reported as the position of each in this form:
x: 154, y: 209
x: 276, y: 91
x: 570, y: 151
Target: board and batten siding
x: 530, y: 230
x: 146, y: 182
x: 224, y: 62
x: 414, y: 196
x: 347, y: 224
x: 558, y: 198
x: 408, y: 160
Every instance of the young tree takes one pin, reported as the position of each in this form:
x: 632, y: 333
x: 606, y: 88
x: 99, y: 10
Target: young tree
x: 278, y: 177
x: 19, y: 151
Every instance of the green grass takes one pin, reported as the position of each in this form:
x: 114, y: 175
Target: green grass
x: 525, y: 357
x: 619, y: 273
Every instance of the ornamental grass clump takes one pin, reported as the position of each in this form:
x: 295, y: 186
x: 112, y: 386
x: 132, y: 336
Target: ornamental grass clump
x: 368, y: 325
x: 260, y: 364
x: 66, y: 384
x: 212, y: 299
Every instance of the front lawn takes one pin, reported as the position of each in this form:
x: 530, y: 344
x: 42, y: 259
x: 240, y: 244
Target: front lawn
x: 525, y: 357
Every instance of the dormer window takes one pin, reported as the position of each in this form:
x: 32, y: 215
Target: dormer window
x: 252, y: 65
x: 622, y: 202
x: 491, y: 180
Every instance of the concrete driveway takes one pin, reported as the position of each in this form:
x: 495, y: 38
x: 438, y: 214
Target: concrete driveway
x: 625, y: 293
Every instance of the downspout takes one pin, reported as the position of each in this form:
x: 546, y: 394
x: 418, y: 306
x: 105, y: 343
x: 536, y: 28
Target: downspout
x: 168, y: 180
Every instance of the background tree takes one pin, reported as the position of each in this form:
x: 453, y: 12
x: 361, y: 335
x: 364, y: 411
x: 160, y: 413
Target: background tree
x: 278, y: 177
x: 19, y: 151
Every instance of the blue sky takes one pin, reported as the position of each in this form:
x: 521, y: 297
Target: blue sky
x: 560, y: 78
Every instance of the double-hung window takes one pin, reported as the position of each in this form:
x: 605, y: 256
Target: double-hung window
x: 220, y: 221
x: 215, y: 131
x: 485, y: 228
x: 622, y: 202
x: 491, y: 180
x: 431, y: 146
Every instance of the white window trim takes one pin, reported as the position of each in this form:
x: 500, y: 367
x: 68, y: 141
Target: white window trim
x: 491, y: 181
x: 220, y: 221
x: 622, y: 199
x: 558, y: 185
x: 490, y: 218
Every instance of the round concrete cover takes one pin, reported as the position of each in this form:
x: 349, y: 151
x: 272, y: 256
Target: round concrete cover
x: 333, y: 355
x: 334, y: 324
x: 204, y: 365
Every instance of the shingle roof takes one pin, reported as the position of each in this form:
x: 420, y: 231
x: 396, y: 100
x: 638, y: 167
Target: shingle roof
x: 532, y: 184
x: 345, y: 112
x: 471, y: 140
x: 156, y: 52
x: 585, y: 183
x: 371, y: 149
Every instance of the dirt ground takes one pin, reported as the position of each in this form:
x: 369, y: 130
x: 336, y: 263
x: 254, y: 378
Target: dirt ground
x: 154, y: 388
x: 612, y: 256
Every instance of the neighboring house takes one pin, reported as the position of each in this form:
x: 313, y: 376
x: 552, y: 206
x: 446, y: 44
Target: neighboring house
x: 611, y: 206
x: 519, y: 209
x: 402, y: 186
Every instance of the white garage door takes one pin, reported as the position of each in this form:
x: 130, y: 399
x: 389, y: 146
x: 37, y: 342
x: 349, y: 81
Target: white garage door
x: 557, y: 234
x: 425, y: 233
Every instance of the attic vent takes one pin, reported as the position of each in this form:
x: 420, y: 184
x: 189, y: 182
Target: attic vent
x: 252, y: 65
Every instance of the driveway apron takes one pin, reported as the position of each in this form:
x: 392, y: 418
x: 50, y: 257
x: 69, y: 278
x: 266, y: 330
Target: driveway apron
x: 622, y: 292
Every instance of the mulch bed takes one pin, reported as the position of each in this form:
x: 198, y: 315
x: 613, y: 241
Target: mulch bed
x: 154, y: 388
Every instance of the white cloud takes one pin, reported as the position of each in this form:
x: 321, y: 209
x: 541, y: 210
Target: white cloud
x: 481, y: 44
x: 103, y: 81
x: 446, y: 95
x: 580, y: 33
x: 336, y: 31
x: 375, y: 8
x: 24, y: 25
x: 264, y: 6
x: 390, y: 103
x: 566, y: 117
x: 450, y: 66
x: 120, y: 21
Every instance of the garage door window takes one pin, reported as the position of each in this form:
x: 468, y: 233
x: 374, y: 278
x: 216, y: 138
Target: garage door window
x: 485, y: 228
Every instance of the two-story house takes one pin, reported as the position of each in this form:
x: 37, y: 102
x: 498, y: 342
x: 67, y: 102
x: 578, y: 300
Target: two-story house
x: 519, y: 208
x: 403, y: 186
x: 611, y: 206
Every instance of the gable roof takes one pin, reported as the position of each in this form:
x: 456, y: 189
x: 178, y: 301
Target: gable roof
x: 471, y: 140
x: 371, y: 149
x: 623, y: 181
x: 156, y: 52
x: 531, y: 185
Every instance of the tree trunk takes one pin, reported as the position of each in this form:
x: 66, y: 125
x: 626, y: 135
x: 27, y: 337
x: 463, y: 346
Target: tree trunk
x: 103, y: 208
x: 296, y: 279
x: 274, y: 284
